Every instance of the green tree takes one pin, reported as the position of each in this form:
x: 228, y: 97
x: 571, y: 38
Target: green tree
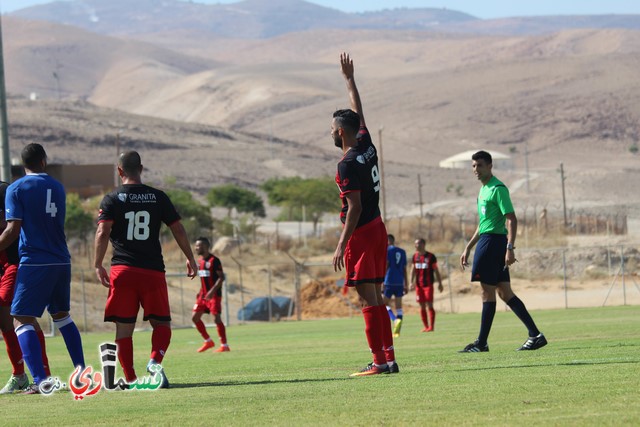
x: 232, y: 196
x: 196, y: 217
x: 78, y: 222
x: 317, y: 195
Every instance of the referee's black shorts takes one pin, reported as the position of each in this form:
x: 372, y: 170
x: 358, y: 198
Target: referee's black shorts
x: 488, y: 260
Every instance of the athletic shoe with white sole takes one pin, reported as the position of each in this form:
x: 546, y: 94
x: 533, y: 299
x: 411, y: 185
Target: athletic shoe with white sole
x: 16, y: 383
x: 474, y: 347
x: 534, y: 343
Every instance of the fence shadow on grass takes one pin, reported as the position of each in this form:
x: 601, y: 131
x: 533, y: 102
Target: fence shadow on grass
x: 263, y: 382
x: 543, y: 365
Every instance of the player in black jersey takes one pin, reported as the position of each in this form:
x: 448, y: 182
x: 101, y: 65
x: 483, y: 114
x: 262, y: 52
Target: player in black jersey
x: 362, y: 247
x: 131, y: 217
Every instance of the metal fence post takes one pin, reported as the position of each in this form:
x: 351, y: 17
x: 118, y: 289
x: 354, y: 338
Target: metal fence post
x: 624, y: 286
x: 241, y: 284
x: 270, y: 298
x: 564, y: 277
x: 226, y: 301
x: 184, y: 322
x: 84, y: 301
x: 449, y: 281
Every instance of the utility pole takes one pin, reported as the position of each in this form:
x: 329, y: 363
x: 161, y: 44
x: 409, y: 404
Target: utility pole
x: 116, y: 177
x: 420, y: 203
x: 384, y: 193
x: 4, y: 123
x: 564, y: 200
x: 526, y: 164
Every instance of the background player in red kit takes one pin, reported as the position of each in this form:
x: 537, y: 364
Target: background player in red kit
x: 209, y: 299
x: 362, y: 247
x: 424, y: 268
x: 131, y: 217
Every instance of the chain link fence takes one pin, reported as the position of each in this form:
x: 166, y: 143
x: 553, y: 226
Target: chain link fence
x: 553, y: 278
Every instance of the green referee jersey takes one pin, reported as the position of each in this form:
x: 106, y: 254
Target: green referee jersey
x: 493, y: 204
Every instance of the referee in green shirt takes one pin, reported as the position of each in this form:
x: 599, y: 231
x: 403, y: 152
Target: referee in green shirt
x: 495, y: 238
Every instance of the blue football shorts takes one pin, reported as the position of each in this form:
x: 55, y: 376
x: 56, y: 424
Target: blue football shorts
x: 393, y: 290
x: 42, y: 286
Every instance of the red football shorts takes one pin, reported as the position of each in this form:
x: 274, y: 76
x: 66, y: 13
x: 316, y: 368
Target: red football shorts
x: 8, y: 284
x: 365, y: 257
x: 132, y: 287
x: 424, y: 294
x: 213, y: 305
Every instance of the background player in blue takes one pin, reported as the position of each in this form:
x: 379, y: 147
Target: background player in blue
x: 35, y: 211
x: 395, y: 282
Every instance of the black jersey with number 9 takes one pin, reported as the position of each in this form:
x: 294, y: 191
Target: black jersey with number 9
x: 358, y: 171
x: 137, y: 212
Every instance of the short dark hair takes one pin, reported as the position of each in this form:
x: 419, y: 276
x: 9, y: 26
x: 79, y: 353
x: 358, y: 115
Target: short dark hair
x: 391, y: 237
x: 421, y: 240
x: 130, y: 163
x: 33, y: 155
x: 348, y: 119
x: 482, y: 155
x: 204, y: 240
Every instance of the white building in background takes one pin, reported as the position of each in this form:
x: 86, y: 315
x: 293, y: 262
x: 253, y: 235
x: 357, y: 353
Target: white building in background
x: 463, y: 160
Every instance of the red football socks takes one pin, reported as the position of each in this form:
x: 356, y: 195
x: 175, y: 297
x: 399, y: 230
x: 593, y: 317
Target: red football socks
x: 125, y: 356
x: 45, y: 359
x: 387, y: 337
x: 373, y: 324
x: 222, y: 332
x: 160, y: 340
x: 14, y: 352
x: 202, y: 329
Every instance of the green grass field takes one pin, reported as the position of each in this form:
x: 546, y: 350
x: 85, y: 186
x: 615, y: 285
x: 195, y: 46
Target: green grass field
x: 297, y: 373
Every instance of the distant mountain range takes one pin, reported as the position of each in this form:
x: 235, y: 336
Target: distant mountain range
x: 258, y: 19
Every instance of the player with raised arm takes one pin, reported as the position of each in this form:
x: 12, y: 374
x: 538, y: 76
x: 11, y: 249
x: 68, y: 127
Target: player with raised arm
x: 130, y: 217
x: 396, y: 284
x: 35, y: 212
x: 362, y: 246
x: 209, y: 299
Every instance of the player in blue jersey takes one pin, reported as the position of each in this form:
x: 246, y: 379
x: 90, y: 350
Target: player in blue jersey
x: 395, y: 282
x: 35, y: 212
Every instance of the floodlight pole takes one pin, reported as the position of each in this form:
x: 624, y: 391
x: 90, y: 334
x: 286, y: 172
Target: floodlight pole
x: 5, y: 161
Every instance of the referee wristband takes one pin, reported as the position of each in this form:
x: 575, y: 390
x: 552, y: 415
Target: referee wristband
x: 510, y: 247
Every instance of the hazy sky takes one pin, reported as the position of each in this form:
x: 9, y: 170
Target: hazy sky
x: 481, y: 9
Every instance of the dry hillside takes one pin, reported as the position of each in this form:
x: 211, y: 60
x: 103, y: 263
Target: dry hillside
x: 569, y: 97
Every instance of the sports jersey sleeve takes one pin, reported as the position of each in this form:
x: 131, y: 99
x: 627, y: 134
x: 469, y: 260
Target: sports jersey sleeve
x: 434, y: 262
x: 349, y: 177
x: 13, y: 207
x: 403, y: 262
x: 106, y: 210
x: 217, y: 264
x: 169, y: 212
x: 503, y: 200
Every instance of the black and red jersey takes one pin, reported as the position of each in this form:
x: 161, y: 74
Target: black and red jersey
x: 9, y: 255
x: 137, y: 212
x: 208, y: 269
x: 424, y: 265
x: 358, y: 171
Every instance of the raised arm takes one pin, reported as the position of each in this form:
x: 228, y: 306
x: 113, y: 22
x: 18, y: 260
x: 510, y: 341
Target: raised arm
x: 346, y: 64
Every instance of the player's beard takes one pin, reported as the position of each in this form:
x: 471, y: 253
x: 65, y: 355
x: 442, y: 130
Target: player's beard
x: 337, y: 141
